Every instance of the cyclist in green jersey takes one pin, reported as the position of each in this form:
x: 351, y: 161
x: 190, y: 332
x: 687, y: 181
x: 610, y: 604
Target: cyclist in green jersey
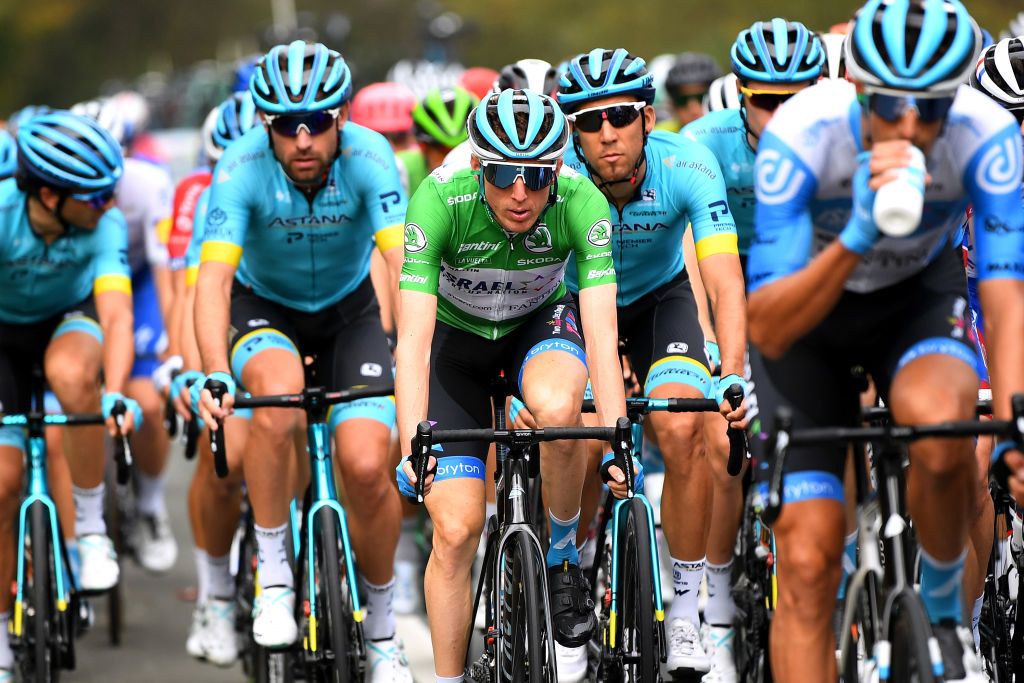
x: 482, y: 292
x: 439, y: 125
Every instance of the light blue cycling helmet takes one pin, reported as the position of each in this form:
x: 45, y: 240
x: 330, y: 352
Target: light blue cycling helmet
x: 299, y: 78
x: 69, y: 153
x: 913, y: 46
x: 496, y: 135
x: 777, y: 51
x: 8, y: 155
x: 601, y: 73
x: 234, y: 117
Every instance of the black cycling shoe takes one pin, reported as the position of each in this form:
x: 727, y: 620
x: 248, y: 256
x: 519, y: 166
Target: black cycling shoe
x: 572, y: 608
x: 958, y: 655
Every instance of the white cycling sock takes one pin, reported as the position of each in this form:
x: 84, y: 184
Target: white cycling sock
x: 220, y: 583
x: 202, y: 575
x: 150, y: 494
x: 274, y: 569
x: 448, y: 679
x: 89, y: 510
x: 6, y: 656
x: 686, y: 577
x: 976, y: 621
x: 720, y: 609
x: 380, y: 617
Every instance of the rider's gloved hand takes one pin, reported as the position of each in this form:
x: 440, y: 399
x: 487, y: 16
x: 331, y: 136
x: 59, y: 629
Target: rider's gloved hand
x: 861, y: 233
x: 164, y: 374
x: 615, y: 479
x: 202, y: 400
x: 132, y: 416
x: 404, y: 474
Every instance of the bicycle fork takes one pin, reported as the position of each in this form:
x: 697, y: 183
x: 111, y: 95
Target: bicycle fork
x: 659, y: 608
x: 37, y: 493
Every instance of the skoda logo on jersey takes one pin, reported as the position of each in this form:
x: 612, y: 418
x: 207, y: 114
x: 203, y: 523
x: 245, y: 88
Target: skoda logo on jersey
x: 371, y: 370
x: 415, y: 240
x: 778, y: 179
x: 999, y: 169
x: 677, y: 347
x: 217, y: 217
x: 539, y: 240
x: 600, y: 233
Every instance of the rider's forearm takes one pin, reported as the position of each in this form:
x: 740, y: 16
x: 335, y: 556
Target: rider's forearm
x: 785, y: 310
x: 725, y: 287
x: 697, y: 283
x: 118, y: 342
x: 601, y: 334
x: 1003, y: 304
x: 211, y: 319
x: 412, y: 363
x: 191, y: 359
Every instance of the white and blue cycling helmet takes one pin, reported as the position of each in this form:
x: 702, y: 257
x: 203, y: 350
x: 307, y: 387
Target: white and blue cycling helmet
x: 496, y: 135
x: 70, y: 153
x: 8, y: 155
x: 299, y: 78
x: 913, y: 46
x: 602, y: 73
x: 777, y: 51
x: 227, y: 122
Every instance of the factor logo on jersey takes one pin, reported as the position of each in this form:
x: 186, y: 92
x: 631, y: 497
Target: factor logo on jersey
x: 600, y: 233
x: 539, y: 240
x: 415, y: 240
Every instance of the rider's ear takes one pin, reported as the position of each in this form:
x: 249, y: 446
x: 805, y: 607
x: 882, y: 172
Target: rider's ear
x: 649, y: 119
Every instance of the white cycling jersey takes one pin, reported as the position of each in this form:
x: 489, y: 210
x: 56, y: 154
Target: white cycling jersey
x: 145, y: 195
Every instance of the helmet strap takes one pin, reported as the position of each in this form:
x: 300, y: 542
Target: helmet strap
x: 749, y: 132
x: 58, y: 212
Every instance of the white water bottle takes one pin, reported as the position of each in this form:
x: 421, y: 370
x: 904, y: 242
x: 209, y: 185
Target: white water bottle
x: 898, y: 204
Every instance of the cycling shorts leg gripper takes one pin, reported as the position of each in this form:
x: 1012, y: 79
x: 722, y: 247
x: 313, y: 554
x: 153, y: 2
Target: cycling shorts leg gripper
x: 807, y: 485
x: 679, y: 370
x: 939, y: 345
x: 459, y: 467
x: 564, y: 345
x: 79, y: 324
x: 13, y: 436
x: 248, y: 345
x: 381, y: 409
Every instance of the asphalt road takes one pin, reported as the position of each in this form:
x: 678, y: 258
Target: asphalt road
x: 158, y: 612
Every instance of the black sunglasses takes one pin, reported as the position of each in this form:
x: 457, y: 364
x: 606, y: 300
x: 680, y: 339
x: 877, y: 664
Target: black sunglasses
x: 619, y: 115
x: 315, y: 122
x: 95, y: 201
x: 766, y: 100
x: 892, y: 108
x: 681, y: 99
x: 504, y: 176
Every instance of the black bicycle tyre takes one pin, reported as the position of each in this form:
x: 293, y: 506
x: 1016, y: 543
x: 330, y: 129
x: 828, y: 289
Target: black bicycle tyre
x: 522, y: 615
x: 332, y: 609
x: 909, y: 631
x: 864, y: 629
x: 45, y: 648
x: 115, y: 601
x: 637, y: 593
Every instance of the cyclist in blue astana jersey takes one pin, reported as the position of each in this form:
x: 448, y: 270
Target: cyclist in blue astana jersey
x: 828, y: 291
x: 772, y: 61
x: 294, y: 209
x: 67, y: 309
x: 656, y: 184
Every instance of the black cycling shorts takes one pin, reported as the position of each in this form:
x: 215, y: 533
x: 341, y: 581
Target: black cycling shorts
x: 666, y: 343
x: 463, y: 367
x: 880, y: 332
x: 23, y: 347
x: 346, y: 339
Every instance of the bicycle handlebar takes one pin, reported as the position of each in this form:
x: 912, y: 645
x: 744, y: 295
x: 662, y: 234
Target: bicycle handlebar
x: 308, y: 398
x: 785, y: 436
x: 883, y: 412
x: 427, y: 436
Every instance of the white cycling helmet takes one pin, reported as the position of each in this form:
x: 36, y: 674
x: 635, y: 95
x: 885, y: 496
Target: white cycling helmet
x: 723, y: 93
x: 1000, y: 74
x: 528, y: 74
x: 835, y: 61
x: 104, y: 112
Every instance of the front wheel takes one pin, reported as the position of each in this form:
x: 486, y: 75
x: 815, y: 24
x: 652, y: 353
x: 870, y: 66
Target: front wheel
x: 857, y: 643
x: 637, y: 636
x: 334, y: 606
x: 44, y: 664
x: 523, y: 623
x: 909, y: 632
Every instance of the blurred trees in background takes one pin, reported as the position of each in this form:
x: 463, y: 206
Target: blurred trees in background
x: 182, y: 52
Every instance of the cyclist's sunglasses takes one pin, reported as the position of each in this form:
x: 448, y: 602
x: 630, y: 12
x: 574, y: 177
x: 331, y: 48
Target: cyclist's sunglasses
x: 681, y: 99
x: 768, y: 100
x: 892, y: 108
x: 619, y: 115
x: 315, y: 122
x: 504, y: 176
x: 95, y: 201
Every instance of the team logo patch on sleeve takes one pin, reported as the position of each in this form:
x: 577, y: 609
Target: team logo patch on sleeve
x: 217, y: 217
x: 600, y: 233
x: 415, y: 240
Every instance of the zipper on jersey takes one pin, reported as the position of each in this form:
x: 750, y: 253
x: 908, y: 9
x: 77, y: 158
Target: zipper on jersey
x: 504, y: 281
